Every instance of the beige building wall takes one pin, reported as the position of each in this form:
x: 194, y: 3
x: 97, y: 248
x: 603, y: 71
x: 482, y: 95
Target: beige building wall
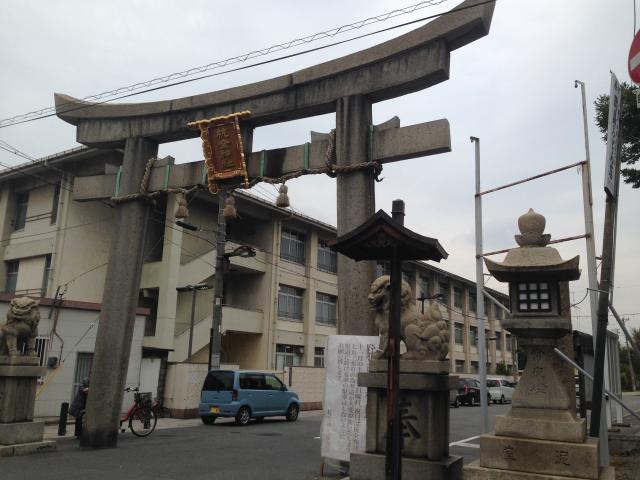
x: 78, y: 244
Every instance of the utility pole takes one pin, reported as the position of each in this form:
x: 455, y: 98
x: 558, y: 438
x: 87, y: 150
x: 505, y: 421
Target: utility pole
x: 633, y: 374
x: 484, y: 407
x: 598, y: 427
x: 215, y: 338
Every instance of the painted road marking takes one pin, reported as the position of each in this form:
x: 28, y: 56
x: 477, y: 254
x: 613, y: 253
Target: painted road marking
x: 465, y: 443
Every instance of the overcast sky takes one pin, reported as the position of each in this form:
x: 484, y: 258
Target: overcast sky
x: 514, y: 89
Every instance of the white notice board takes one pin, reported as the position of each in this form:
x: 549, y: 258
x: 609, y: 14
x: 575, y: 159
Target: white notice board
x: 345, y: 404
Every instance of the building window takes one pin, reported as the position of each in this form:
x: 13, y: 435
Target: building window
x: 498, y: 340
x: 22, y: 202
x: 459, y: 336
x: 534, y: 297
x: 327, y: 258
x: 508, y: 342
x: 326, y: 308
x: 318, y: 357
x: 443, y: 289
x: 290, y: 302
x: 84, y: 361
x: 382, y: 268
x: 292, y: 246
x: 473, y: 336
x: 459, y: 366
x: 424, y: 286
x: 12, y: 276
x: 54, y: 207
x: 457, y: 297
x: 41, y: 350
x: 288, y: 356
x: 472, y: 302
x: 487, y: 307
x: 45, y: 275
x: 474, y: 367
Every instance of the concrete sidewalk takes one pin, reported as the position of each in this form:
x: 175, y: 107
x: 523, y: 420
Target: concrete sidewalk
x: 51, y: 430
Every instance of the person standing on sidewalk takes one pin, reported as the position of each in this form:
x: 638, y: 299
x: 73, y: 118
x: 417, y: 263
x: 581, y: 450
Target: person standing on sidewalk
x: 79, y: 405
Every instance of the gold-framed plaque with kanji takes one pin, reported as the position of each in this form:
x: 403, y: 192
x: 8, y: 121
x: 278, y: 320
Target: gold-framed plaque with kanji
x: 223, y: 152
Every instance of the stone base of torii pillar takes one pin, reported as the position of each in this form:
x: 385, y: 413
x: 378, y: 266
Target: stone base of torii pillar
x: 19, y: 434
x: 424, y: 402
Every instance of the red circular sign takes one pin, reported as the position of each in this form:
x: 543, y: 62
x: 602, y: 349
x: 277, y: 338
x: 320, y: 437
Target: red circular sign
x: 634, y: 59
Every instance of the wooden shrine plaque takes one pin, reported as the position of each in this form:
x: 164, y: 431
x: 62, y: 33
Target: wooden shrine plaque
x: 222, y: 148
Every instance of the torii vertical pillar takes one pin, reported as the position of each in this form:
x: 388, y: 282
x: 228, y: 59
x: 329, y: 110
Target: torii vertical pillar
x: 356, y: 204
x: 120, y: 300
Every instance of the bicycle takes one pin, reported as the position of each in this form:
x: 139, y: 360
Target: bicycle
x: 142, y: 415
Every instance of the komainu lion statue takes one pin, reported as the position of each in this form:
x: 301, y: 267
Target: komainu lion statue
x: 426, y: 336
x: 21, y: 327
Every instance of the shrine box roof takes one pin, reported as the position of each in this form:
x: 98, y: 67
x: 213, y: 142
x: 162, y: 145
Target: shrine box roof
x: 377, y: 238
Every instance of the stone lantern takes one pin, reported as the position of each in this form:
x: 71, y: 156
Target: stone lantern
x: 541, y: 436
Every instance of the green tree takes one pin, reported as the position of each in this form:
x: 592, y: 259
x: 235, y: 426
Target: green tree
x: 503, y: 369
x: 625, y: 369
x: 629, y: 130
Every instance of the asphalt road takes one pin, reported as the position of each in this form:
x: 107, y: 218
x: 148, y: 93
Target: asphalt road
x: 274, y: 449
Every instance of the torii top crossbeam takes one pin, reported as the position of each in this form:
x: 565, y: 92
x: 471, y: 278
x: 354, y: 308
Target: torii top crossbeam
x: 405, y: 64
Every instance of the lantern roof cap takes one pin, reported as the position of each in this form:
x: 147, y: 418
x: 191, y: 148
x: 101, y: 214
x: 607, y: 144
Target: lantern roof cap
x: 533, y: 259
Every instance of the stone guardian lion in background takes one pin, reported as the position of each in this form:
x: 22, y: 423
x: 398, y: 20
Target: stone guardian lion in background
x: 21, y: 327
x: 426, y: 336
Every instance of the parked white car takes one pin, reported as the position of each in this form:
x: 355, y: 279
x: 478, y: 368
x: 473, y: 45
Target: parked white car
x: 500, y: 390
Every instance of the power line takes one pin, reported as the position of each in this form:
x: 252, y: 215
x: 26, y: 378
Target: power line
x: 37, y: 177
x: 26, y: 156
x: 16, y: 120
x: 232, y: 60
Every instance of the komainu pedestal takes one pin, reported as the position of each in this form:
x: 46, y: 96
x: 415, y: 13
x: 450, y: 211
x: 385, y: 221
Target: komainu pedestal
x: 424, y: 407
x: 19, y: 434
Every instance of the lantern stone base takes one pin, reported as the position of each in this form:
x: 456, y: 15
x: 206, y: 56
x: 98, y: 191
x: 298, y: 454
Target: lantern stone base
x: 370, y: 466
x: 542, y: 424
x: 474, y: 471
x: 578, y: 460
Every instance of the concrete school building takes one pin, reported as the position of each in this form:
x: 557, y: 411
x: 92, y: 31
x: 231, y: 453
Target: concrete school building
x: 279, y: 306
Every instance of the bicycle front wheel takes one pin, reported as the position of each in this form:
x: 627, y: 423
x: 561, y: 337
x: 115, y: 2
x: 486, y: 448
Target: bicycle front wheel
x: 142, y: 423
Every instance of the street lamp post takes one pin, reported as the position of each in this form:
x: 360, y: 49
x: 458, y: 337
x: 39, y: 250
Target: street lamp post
x: 194, y: 289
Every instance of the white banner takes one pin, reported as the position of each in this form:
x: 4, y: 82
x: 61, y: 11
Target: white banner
x: 612, y: 163
x: 345, y: 404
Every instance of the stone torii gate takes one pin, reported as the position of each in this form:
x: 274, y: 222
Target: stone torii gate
x: 347, y: 86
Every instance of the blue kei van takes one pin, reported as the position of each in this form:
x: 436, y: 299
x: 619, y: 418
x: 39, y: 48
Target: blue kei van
x: 244, y: 395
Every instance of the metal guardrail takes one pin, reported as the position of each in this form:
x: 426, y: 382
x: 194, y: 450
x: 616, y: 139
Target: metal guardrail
x: 584, y: 372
